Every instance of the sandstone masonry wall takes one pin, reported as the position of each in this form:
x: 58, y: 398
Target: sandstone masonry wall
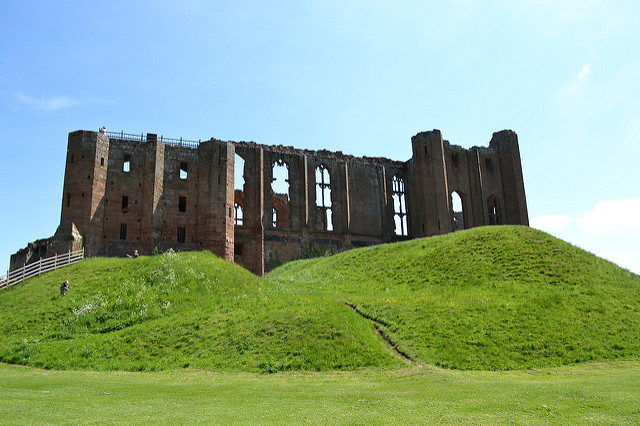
x: 124, y: 195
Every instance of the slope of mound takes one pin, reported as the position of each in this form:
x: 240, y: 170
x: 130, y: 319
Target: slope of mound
x: 487, y: 298
x: 178, y: 310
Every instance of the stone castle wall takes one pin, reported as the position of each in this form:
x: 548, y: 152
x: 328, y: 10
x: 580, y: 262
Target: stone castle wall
x: 124, y: 195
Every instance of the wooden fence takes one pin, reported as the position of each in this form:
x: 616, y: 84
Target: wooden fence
x: 40, y: 267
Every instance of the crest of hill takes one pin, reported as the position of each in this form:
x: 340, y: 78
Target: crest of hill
x: 488, y: 298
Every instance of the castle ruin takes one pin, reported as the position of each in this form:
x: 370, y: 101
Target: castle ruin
x: 139, y: 192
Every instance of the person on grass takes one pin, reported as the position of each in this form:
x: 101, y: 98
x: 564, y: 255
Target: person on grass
x: 64, y: 287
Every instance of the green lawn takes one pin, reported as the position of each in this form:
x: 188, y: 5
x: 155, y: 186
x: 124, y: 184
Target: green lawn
x: 586, y: 393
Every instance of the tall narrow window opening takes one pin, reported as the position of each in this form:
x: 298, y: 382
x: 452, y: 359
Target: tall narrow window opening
x: 123, y: 231
x: 274, y: 217
x: 494, y: 210
x: 181, y: 234
x: 238, y: 173
x: 457, y: 211
x: 323, y: 198
x: 399, y: 206
x: 183, y: 170
x: 125, y: 203
x: 68, y: 199
x: 239, y: 218
x: 126, y: 163
x: 182, y: 204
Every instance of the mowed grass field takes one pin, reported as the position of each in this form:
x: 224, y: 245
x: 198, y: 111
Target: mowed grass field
x: 585, y: 393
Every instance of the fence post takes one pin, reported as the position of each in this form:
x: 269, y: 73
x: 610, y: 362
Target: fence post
x: 69, y: 257
x: 39, y: 266
x: 23, y: 268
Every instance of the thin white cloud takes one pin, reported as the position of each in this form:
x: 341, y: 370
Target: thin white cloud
x: 586, y: 70
x: 46, y: 104
x: 551, y: 222
x: 611, y: 215
x: 573, y: 90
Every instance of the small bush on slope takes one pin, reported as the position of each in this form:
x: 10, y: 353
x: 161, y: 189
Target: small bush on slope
x: 178, y: 310
x: 487, y: 298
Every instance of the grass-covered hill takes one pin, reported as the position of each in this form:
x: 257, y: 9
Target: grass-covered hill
x: 487, y: 298
x: 178, y: 310
x: 500, y: 297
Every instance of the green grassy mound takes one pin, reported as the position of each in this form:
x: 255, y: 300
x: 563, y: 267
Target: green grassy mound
x: 178, y: 310
x: 487, y: 298
x: 504, y: 297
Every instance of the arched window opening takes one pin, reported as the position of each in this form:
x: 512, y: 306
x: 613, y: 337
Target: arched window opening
x: 280, y: 181
x: 457, y: 211
x: 238, y: 173
x: 323, y: 199
x: 239, y: 217
x: 280, y: 211
x: 494, y: 210
x: 399, y: 206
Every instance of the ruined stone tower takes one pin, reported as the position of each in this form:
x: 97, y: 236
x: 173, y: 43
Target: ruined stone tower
x: 140, y: 192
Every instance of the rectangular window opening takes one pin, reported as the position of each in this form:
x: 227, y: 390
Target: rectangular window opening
x: 125, y: 203
x: 123, y: 231
x: 182, y: 204
x: 181, y: 234
x: 126, y: 163
x: 183, y: 170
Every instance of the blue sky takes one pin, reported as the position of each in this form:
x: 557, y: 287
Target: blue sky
x: 360, y: 76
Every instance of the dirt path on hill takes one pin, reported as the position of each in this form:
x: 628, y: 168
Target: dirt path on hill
x: 383, y: 334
